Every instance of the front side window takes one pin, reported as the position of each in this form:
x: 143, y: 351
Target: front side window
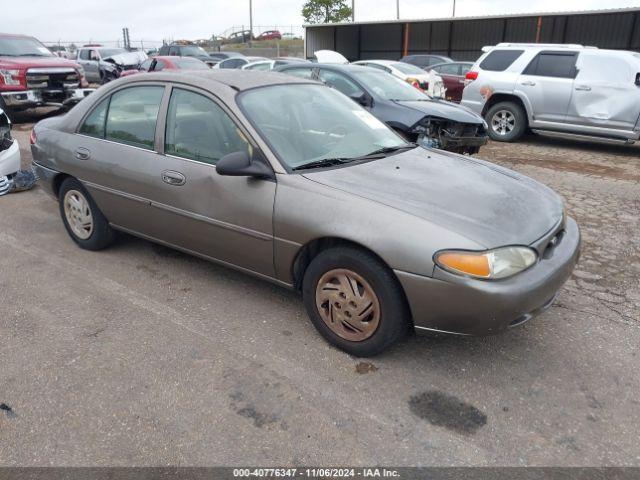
x: 263, y: 66
x: 158, y: 65
x: 132, y: 116
x: 500, y: 60
x: 448, y: 69
x: 198, y: 129
x: 310, y: 122
x: 84, y: 55
x: 94, y: 123
x: 341, y: 83
x: 548, y: 64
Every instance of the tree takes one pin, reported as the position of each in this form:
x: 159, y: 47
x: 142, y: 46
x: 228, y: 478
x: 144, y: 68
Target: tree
x: 326, y: 11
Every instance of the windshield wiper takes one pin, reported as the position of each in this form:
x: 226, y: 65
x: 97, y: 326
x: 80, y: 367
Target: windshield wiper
x: 331, y: 162
x: 384, y: 151
x: 323, y: 162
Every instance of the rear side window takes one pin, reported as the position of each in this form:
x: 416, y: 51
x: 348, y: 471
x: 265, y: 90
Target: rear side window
x: 198, y: 129
x: 132, y: 116
x: 551, y: 64
x: 500, y: 60
x: 94, y: 123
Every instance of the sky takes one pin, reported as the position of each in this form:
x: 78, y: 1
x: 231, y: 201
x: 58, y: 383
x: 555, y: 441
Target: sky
x: 152, y: 21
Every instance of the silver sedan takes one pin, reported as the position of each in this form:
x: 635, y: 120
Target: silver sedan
x: 291, y: 181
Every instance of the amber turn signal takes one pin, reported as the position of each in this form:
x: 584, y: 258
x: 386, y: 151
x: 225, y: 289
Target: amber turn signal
x: 476, y: 264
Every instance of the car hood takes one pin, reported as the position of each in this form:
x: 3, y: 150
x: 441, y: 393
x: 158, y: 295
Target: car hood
x: 490, y: 205
x: 443, y: 109
x: 39, y: 62
x: 127, y: 58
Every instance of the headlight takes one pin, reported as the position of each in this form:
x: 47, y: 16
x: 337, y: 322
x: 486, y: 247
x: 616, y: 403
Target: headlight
x: 490, y: 265
x: 8, y: 77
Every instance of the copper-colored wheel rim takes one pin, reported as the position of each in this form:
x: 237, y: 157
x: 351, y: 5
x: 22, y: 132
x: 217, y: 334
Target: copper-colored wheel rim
x: 348, y: 305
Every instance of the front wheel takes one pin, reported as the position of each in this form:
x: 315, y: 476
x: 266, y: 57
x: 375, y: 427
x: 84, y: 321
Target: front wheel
x: 507, y: 121
x: 355, y: 301
x: 85, y: 223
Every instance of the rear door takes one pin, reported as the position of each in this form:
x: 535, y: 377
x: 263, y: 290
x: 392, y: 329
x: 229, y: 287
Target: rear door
x: 605, y: 93
x: 116, y: 149
x: 547, y: 85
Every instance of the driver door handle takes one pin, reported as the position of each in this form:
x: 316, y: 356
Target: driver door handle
x: 173, y: 178
x: 528, y: 83
x: 583, y: 88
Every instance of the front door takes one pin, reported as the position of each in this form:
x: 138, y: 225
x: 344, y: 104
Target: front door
x: 89, y: 59
x: 605, y: 93
x: 226, y: 218
x: 547, y: 84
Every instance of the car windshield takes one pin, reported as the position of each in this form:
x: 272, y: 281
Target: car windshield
x: 193, y: 50
x: 191, y: 64
x: 389, y: 87
x: 408, y: 68
x: 23, y: 47
x: 306, y: 124
x: 110, y: 52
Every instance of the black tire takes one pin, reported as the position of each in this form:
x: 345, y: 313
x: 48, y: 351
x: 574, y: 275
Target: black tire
x: 394, y: 316
x: 519, y: 126
x: 101, y: 235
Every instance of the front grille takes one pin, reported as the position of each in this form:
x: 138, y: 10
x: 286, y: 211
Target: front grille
x: 462, y: 129
x: 55, y: 78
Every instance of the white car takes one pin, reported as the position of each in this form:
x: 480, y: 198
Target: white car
x: 430, y: 82
x: 9, y: 151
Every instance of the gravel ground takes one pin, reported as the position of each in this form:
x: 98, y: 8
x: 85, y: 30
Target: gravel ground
x: 140, y: 355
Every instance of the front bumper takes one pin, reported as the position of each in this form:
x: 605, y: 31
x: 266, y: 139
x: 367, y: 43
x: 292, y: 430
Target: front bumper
x: 24, y: 99
x: 10, y: 160
x: 456, y: 304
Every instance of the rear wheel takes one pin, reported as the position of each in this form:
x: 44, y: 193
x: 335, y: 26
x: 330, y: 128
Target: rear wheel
x: 507, y: 121
x: 355, y: 301
x: 82, y: 218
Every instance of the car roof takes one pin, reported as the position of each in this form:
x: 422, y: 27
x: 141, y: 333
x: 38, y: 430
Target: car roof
x: 239, y: 80
x: 379, y: 62
x: 350, y: 68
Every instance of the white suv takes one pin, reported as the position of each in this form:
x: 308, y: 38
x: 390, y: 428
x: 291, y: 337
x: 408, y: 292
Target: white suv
x: 558, y: 89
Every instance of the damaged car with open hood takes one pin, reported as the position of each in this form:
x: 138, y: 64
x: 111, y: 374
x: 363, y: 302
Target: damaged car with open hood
x: 104, y: 64
x: 416, y: 116
x: 9, y: 154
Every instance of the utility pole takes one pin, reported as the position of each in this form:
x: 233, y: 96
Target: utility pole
x: 353, y: 10
x: 454, y: 8
x: 398, y: 9
x: 250, y: 23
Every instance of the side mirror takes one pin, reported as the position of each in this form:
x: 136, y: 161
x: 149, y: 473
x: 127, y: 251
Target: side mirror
x: 362, y: 99
x: 638, y: 79
x: 240, y: 164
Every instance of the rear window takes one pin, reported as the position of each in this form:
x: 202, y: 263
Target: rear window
x: 500, y: 60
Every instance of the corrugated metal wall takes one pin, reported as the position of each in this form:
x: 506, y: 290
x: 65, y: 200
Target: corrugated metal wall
x: 463, y: 39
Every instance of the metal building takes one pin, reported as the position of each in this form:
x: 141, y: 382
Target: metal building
x: 463, y: 38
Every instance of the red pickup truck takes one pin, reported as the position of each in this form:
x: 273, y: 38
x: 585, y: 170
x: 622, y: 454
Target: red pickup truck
x: 31, y: 76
